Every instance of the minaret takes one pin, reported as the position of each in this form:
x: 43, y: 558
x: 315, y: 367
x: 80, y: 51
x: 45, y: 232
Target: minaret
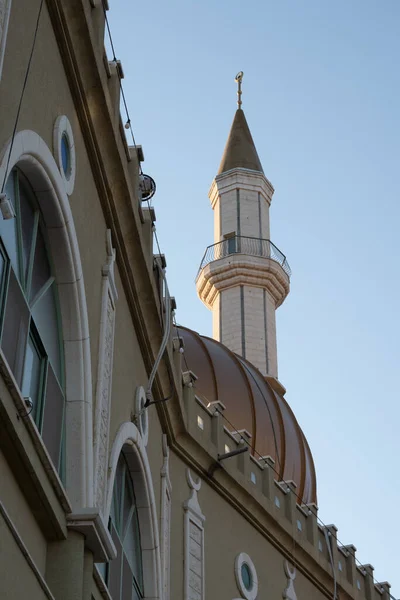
x: 243, y: 277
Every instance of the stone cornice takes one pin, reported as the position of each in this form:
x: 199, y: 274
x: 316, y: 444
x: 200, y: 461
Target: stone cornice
x: 245, y: 179
x: 241, y: 269
x: 240, y: 499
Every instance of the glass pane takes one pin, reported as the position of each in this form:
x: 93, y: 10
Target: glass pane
x: 2, y: 272
x: 53, y: 417
x: 247, y: 578
x: 8, y: 228
x: 102, y: 569
x: 127, y: 581
x: 41, y: 267
x: 45, y: 316
x: 114, y: 568
x: 132, y: 548
x: 16, y: 325
x: 129, y: 503
x: 32, y: 376
x: 27, y: 220
x: 65, y: 156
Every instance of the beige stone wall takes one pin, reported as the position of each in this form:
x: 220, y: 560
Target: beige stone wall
x: 19, y: 511
x: 231, y: 319
x: 16, y: 576
x: 216, y: 318
x: 254, y: 324
x: 249, y: 214
x: 228, y: 222
x: 265, y: 226
x: 226, y: 534
x: 271, y: 336
x: 47, y: 96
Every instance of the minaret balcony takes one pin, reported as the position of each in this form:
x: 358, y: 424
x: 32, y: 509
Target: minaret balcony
x: 240, y: 260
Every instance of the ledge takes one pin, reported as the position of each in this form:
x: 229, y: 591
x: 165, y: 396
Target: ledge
x: 27, y: 455
x: 97, y: 538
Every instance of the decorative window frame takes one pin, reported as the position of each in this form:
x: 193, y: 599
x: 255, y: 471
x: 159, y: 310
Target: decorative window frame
x: 241, y: 559
x: 5, y: 10
x: 129, y: 440
x: 63, y: 127
x: 166, y: 499
x: 104, y: 374
x: 194, y: 579
x: 33, y: 157
x: 289, y: 592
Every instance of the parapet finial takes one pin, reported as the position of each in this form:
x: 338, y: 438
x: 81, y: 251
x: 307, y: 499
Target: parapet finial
x: 238, y: 80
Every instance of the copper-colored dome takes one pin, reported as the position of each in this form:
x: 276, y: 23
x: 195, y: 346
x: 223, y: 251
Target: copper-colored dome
x: 252, y: 404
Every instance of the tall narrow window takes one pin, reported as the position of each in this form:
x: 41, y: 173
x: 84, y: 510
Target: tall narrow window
x: 30, y: 323
x: 124, y: 575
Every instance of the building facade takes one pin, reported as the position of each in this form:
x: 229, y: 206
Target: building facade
x: 138, y: 459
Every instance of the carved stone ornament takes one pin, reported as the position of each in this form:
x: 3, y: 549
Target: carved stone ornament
x: 193, y: 543
x: 104, y: 375
x: 289, y: 592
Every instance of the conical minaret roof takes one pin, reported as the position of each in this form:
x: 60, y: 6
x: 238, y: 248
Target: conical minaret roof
x: 240, y: 150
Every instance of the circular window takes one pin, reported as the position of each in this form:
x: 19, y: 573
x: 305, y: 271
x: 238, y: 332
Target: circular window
x: 64, y: 151
x: 246, y: 576
x: 65, y: 156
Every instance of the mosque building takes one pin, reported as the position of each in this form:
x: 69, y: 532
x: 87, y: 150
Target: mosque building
x: 139, y: 459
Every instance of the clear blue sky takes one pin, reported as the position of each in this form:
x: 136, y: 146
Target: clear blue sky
x: 321, y: 93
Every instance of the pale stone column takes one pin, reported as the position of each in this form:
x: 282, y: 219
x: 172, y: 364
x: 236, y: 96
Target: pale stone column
x: 243, y: 284
x: 244, y: 278
x: 65, y: 567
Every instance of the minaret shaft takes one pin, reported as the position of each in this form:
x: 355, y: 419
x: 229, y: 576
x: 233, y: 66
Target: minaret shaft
x: 243, y: 277
x: 244, y: 321
x: 241, y: 210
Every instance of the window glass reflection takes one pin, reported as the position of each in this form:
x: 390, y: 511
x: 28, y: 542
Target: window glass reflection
x: 32, y: 377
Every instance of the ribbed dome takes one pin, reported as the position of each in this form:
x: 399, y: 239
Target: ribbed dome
x: 252, y: 404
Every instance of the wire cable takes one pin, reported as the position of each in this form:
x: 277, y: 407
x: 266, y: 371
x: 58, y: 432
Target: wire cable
x: 28, y: 68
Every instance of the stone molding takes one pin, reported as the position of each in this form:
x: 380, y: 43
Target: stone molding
x: 166, y: 498
x: 240, y: 560
x: 244, y: 179
x: 97, y: 537
x: 289, y: 592
x: 241, y: 269
x: 129, y: 440
x: 63, y: 126
x: 25, y: 552
x: 194, y: 584
x: 32, y: 155
x: 104, y: 374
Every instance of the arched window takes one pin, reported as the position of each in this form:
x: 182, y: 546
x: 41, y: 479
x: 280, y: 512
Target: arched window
x: 30, y: 326
x: 125, y: 573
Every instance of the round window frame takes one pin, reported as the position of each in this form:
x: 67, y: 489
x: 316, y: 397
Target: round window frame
x: 244, y: 559
x: 142, y: 414
x: 63, y: 130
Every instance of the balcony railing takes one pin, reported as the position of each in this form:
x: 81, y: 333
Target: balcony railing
x: 244, y: 245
